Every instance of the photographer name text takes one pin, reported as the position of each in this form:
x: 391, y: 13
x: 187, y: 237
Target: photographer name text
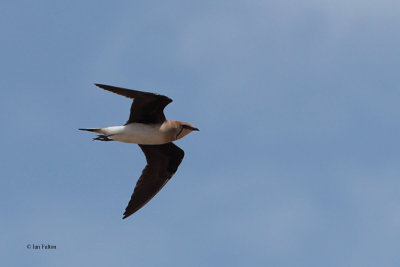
x: 41, y: 246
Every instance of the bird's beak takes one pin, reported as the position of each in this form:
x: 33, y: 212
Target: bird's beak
x: 190, y: 128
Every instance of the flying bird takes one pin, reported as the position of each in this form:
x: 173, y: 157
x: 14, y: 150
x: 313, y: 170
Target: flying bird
x: 148, y: 127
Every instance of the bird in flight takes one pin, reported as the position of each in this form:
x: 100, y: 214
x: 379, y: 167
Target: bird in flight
x: 148, y: 127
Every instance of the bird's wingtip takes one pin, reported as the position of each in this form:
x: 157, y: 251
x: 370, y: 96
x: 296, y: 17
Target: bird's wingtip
x: 101, y: 85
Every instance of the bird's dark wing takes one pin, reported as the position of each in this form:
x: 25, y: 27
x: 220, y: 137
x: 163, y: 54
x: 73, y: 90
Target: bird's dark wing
x: 162, y: 163
x: 146, y: 107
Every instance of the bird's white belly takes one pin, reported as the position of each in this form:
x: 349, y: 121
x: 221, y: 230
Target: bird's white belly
x: 137, y: 133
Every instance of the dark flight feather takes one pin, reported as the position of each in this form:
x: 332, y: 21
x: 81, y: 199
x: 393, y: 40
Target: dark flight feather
x: 162, y: 163
x: 146, y: 107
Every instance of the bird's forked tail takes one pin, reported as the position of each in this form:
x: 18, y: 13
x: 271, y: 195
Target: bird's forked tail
x: 100, y: 137
x: 98, y: 130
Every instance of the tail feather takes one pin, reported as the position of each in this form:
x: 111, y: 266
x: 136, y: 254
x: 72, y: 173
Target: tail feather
x: 91, y: 130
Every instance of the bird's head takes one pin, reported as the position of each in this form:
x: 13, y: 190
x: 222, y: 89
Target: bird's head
x: 184, y: 128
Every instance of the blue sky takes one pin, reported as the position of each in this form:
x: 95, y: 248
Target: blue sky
x: 296, y: 164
